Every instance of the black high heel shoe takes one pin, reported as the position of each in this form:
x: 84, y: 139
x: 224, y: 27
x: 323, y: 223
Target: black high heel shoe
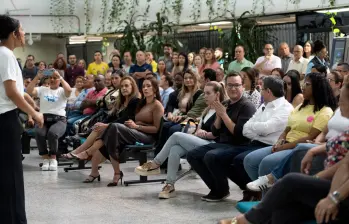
x: 93, y: 179
x: 113, y: 184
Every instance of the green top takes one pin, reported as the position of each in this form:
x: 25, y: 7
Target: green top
x: 237, y: 66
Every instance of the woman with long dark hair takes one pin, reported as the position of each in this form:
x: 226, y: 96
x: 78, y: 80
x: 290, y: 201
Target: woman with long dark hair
x: 293, y: 91
x: 12, y: 204
x: 116, y: 63
x: 250, y: 91
x: 143, y: 129
x: 308, y: 50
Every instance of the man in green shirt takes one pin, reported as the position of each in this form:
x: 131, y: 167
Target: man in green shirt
x: 240, y: 61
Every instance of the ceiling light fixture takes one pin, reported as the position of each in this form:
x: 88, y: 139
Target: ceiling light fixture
x: 215, y: 23
x: 333, y: 10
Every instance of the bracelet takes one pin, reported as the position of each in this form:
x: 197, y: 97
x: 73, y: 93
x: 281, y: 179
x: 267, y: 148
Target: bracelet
x: 333, y: 199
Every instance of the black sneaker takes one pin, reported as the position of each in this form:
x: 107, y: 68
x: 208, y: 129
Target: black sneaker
x: 207, y: 196
x: 217, y: 198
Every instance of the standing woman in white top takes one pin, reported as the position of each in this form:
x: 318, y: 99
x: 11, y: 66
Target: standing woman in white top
x: 53, y: 101
x: 12, y: 204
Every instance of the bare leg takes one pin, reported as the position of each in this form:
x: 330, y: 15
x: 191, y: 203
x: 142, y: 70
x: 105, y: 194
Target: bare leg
x: 90, y: 151
x: 97, y: 158
x: 116, y: 167
x: 88, y: 143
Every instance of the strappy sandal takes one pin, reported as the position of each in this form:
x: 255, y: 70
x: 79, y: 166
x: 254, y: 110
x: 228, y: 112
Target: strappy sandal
x: 88, y: 180
x: 89, y: 157
x: 68, y: 156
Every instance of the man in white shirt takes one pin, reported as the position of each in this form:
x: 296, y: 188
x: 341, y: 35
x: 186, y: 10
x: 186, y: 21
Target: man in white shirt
x: 268, y: 62
x: 298, y: 63
x: 263, y: 129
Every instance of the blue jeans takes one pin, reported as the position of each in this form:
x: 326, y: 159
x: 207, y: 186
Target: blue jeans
x: 262, y: 161
x: 285, y: 165
x: 71, y: 121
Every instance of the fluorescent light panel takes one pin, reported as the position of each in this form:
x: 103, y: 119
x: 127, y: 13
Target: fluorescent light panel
x: 215, y: 23
x: 333, y: 10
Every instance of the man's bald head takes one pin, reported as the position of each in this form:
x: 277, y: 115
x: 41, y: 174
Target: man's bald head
x: 284, y: 49
x: 297, y: 52
x: 88, y: 81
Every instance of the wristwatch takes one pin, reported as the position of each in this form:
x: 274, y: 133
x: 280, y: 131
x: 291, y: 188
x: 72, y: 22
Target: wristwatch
x: 335, y: 197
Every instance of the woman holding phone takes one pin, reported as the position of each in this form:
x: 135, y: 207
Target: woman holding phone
x: 12, y: 203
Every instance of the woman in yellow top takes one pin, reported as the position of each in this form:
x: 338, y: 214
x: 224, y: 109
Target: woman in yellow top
x: 98, y: 67
x: 305, y: 123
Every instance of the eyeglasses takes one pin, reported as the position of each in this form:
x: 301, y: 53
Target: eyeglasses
x: 235, y: 86
x: 269, y: 49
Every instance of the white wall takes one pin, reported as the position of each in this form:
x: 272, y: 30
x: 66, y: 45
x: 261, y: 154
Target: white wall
x: 45, y: 50
x: 70, y: 24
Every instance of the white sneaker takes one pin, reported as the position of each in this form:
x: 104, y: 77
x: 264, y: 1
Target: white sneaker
x: 259, y: 184
x: 45, y: 165
x: 53, y: 165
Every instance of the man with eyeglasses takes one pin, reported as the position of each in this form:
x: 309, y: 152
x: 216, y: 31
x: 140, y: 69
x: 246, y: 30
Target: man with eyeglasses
x: 343, y: 68
x: 230, y: 119
x: 268, y: 62
x: 298, y: 63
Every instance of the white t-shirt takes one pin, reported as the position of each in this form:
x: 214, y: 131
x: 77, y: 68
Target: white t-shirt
x: 9, y: 70
x: 52, y: 101
x: 337, y: 124
x: 72, y: 97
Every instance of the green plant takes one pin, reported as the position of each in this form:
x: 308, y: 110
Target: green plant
x: 117, y: 9
x: 196, y: 10
x: 103, y: 16
x: 132, y: 39
x: 209, y: 4
x: 163, y: 33
x: 164, y: 7
x: 177, y: 6
x: 245, y: 31
x: 87, y: 16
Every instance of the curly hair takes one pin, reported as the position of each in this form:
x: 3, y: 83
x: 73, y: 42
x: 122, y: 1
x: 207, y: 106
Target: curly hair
x: 55, y: 64
x: 322, y: 93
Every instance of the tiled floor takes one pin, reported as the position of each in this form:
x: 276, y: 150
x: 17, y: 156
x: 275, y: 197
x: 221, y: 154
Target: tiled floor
x: 62, y: 198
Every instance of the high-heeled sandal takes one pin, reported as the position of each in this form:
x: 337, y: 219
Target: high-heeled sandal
x: 93, y: 179
x: 69, y: 155
x: 113, y: 184
x: 89, y: 157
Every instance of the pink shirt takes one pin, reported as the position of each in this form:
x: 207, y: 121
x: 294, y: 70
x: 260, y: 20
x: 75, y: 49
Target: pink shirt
x: 94, y: 95
x: 213, y: 66
x: 274, y: 62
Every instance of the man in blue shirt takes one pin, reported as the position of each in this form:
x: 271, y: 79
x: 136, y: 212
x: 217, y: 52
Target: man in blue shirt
x: 166, y: 83
x: 139, y: 70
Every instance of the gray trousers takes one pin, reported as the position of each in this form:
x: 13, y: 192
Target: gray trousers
x: 51, y: 131
x: 117, y: 135
x: 177, y: 146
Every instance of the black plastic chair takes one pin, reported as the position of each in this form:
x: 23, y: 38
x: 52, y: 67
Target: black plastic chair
x: 140, y: 152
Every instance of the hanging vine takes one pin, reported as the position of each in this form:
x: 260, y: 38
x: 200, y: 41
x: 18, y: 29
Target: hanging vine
x: 164, y: 7
x: 87, y: 16
x: 177, y: 6
x: 117, y: 9
x: 71, y: 10
x: 196, y: 10
x: 102, y: 16
x: 145, y: 14
x: 210, y: 4
x: 57, y: 8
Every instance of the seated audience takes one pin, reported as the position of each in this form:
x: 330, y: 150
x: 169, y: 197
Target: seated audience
x: 336, y: 81
x: 220, y: 75
x: 320, y: 52
x: 143, y: 129
x: 343, y: 69
x: 73, y: 71
x: 116, y: 63
x: 305, y: 123
x: 178, y: 81
x: 208, y: 75
x: 293, y: 89
x: 240, y: 60
x: 285, y: 56
x: 268, y: 62
x: 298, y: 197
x: 107, y: 79
x: 123, y: 109
x: 230, y: 119
x: 30, y: 70
x: 139, y: 70
x: 180, y: 105
x: 180, y: 143
x: 182, y: 63
x: 53, y: 101
x: 298, y: 63
x: 161, y: 69
x: 150, y: 60
x: 82, y: 64
x: 278, y: 72
x: 197, y: 63
x: 209, y: 61
x: 250, y: 92
x: 76, y: 90
x: 166, y: 83
x: 319, y: 69
x: 336, y: 125
x: 60, y: 65
x: 127, y: 62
